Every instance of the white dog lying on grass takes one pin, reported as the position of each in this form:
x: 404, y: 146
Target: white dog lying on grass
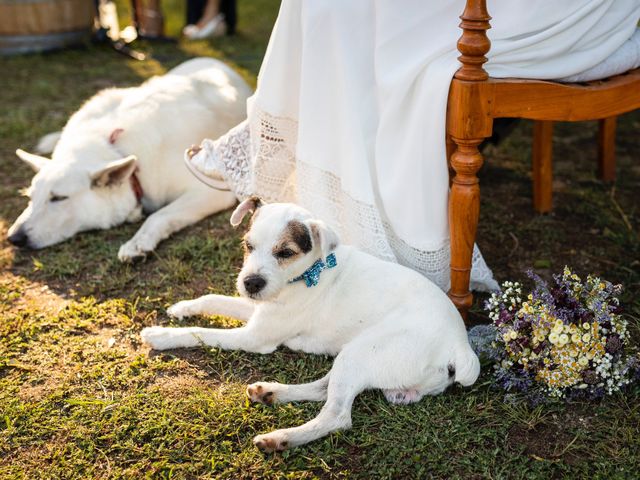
x: 121, y: 153
x: 389, y: 326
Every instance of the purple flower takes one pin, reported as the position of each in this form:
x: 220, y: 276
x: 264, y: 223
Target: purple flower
x: 616, y: 309
x: 590, y: 377
x: 504, y: 317
x: 586, y: 316
x: 513, y: 381
x: 614, y: 344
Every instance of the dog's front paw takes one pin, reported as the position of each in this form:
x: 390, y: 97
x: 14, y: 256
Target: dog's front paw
x: 180, y: 310
x: 272, y: 442
x: 132, y: 251
x: 261, y: 392
x: 164, y: 338
x: 158, y: 338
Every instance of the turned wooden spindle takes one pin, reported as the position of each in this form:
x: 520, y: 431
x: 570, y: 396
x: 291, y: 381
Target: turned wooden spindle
x: 474, y: 44
x: 464, y: 210
x: 469, y: 124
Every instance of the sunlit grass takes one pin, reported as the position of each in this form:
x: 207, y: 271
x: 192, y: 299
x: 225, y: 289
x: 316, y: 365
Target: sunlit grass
x: 81, y: 398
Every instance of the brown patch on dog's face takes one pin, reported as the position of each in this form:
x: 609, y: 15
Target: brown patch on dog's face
x: 294, y: 242
x: 247, y: 246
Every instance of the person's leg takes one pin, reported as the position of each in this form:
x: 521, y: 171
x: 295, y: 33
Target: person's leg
x: 228, y: 9
x: 211, y: 10
x: 210, y: 24
x: 195, y: 10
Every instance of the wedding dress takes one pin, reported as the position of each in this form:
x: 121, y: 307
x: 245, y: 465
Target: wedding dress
x: 348, y: 119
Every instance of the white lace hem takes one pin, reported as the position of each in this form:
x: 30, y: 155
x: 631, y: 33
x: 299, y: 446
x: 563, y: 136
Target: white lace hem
x: 257, y: 158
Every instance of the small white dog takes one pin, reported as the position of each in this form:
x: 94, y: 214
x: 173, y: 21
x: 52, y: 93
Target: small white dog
x: 121, y: 153
x: 390, y: 327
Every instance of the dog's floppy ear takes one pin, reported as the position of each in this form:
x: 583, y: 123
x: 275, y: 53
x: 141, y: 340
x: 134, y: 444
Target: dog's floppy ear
x: 114, y: 173
x: 47, y: 144
x: 251, y: 204
x: 324, y: 236
x: 34, y: 161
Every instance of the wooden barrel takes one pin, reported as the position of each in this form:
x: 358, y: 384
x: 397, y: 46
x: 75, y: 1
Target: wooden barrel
x: 37, y: 25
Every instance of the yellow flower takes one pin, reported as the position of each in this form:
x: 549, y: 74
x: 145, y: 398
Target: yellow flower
x: 586, y: 337
x: 565, y: 329
x: 575, y: 338
x: 586, y: 326
x: 557, y: 329
x: 583, y: 361
x: 513, y: 335
x: 573, y: 328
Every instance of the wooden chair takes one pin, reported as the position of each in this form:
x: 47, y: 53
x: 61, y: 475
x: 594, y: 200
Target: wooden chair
x: 475, y: 100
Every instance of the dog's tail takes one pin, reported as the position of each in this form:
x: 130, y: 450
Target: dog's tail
x: 467, y: 367
x: 47, y: 144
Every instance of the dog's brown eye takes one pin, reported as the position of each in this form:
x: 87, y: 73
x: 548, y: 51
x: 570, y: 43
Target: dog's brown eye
x: 285, y: 253
x: 248, y: 247
x: 57, y: 198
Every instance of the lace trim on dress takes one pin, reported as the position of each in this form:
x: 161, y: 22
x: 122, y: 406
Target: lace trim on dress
x: 258, y: 158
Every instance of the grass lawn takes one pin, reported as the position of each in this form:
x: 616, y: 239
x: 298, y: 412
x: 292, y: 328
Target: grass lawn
x: 80, y: 397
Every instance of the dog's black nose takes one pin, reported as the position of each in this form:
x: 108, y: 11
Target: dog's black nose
x: 254, y: 283
x: 19, y: 239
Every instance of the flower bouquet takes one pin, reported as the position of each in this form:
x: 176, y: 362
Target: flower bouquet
x: 564, y: 340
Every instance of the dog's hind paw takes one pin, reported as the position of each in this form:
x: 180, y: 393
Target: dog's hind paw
x: 271, y: 442
x: 402, y: 397
x: 261, y: 393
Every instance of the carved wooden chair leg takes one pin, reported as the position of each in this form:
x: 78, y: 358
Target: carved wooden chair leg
x: 607, y: 149
x: 464, y: 210
x: 451, y: 147
x: 542, y: 166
